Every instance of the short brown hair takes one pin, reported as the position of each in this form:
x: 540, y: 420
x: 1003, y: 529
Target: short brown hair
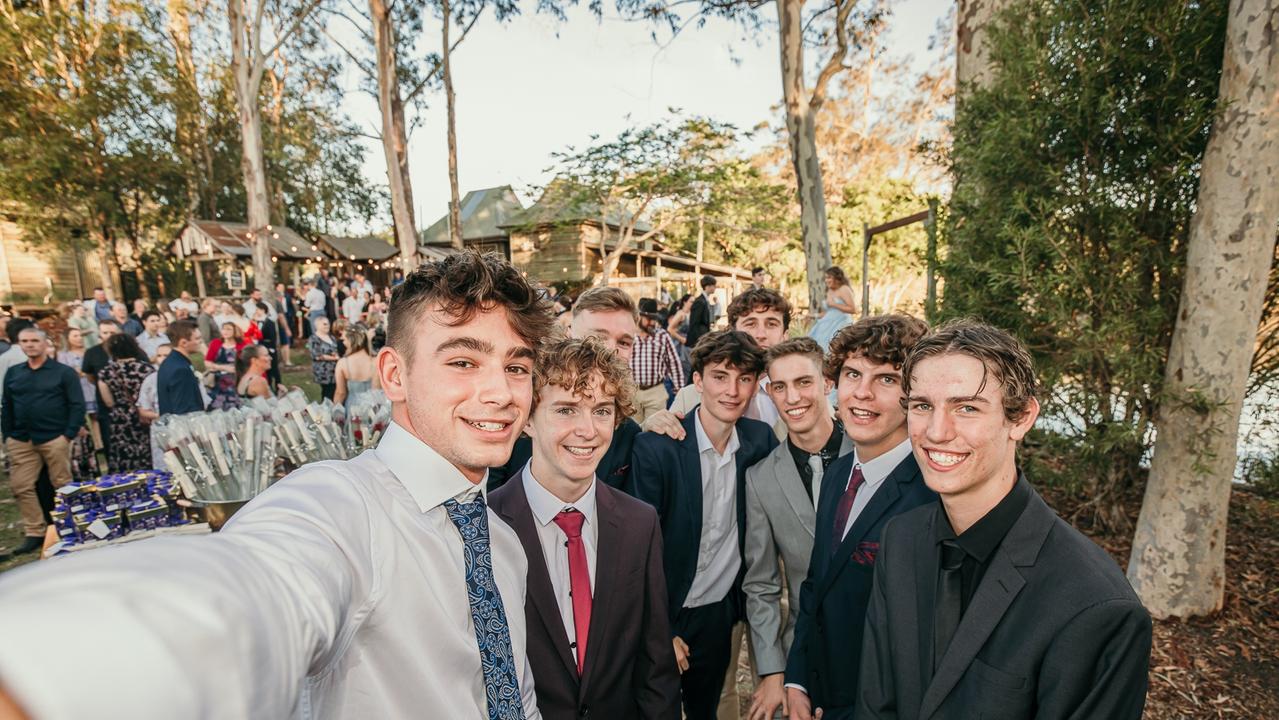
x: 180, y: 330
x: 882, y: 339
x: 805, y: 346
x: 463, y: 284
x: 728, y: 346
x: 572, y: 364
x: 605, y: 299
x: 755, y: 300
x: 1001, y: 354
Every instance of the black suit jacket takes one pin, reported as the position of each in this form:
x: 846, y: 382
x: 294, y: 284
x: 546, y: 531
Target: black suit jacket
x: 612, y: 470
x: 1053, y: 631
x: 825, y: 654
x: 699, y: 320
x: 667, y: 474
x: 630, y: 665
x: 177, y: 388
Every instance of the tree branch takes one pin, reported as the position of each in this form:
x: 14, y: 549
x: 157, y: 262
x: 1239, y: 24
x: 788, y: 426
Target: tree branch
x: 835, y: 62
x: 417, y: 90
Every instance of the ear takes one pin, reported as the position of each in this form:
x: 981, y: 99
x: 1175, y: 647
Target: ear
x: 828, y: 385
x: 1022, y: 426
x: 392, y: 371
x: 697, y: 381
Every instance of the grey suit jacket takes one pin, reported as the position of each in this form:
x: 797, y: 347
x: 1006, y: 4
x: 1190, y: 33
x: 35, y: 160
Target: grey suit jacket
x: 779, y: 525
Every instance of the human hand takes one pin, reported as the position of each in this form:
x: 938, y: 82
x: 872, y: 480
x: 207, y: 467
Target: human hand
x: 665, y: 422
x: 801, y: 706
x: 681, y: 654
x: 769, y: 696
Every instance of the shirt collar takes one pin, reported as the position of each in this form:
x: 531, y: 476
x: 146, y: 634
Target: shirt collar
x: 986, y: 534
x: 704, y: 441
x: 546, y: 506
x: 876, y: 471
x: 428, y: 477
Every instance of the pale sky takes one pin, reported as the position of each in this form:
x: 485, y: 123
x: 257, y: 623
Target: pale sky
x: 534, y: 86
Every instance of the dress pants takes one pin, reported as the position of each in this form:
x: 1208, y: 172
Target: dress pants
x: 708, y: 631
x: 25, y: 462
x: 648, y: 401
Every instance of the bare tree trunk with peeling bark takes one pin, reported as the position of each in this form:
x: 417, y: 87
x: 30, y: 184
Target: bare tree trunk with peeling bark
x: 446, y: 70
x: 972, y: 57
x: 395, y: 141
x: 1178, y: 557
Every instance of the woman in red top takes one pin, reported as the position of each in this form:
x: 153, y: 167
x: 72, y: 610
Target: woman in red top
x: 220, y: 359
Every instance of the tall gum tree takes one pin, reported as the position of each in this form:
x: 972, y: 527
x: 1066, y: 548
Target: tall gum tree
x: 1178, y: 558
x: 249, y: 60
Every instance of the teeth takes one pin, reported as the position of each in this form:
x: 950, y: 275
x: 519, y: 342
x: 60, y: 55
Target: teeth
x: 943, y: 458
x: 796, y: 412
x: 489, y: 426
x: 861, y: 413
x: 578, y: 451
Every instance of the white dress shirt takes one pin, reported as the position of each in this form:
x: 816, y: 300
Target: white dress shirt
x: 554, y: 541
x: 315, y: 300
x: 338, y: 593
x: 762, y: 407
x: 874, y: 473
x: 718, y: 555
x: 150, y: 344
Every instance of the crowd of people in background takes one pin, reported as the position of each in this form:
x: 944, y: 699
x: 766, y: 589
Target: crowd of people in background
x: 127, y: 373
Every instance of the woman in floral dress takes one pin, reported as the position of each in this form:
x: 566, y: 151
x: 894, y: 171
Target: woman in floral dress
x: 324, y: 357
x: 119, y: 383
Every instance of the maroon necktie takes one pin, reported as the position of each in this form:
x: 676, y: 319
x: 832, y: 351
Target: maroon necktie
x: 570, y: 521
x: 845, y: 506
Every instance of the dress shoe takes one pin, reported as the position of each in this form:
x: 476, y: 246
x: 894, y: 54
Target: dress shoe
x: 29, y: 544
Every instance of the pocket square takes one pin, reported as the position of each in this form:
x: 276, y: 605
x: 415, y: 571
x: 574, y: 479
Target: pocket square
x: 865, y: 552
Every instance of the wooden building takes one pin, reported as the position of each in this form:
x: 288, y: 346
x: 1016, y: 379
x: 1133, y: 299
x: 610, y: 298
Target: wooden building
x: 371, y: 255
x: 37, y: 276
x: 215, y: 248
x: 485, y: 213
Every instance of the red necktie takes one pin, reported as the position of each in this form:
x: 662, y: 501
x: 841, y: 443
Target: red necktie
x: 570, y: 521
x: 846, y: 506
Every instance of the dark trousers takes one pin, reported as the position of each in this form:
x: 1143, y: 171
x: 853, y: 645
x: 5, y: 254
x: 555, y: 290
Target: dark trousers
x: 708, y: 631
x: 327, y: 389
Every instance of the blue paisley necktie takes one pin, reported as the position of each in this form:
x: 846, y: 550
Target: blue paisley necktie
x: 487, y: 613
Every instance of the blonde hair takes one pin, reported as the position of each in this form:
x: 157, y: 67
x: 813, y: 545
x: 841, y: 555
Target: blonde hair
x: 573, y: 364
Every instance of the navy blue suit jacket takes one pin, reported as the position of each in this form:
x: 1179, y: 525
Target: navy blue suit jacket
x: 177, y: 388
x: 667, y: 474
x: 826, y: 653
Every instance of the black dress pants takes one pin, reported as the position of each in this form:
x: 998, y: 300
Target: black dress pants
x: 708, y: 631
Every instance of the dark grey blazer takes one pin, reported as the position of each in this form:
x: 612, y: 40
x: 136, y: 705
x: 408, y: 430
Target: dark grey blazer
x: 1053, y: 631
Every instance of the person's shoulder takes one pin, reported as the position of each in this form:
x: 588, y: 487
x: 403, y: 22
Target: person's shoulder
x: 654, y: 443
x: 630, y: 510
x: 910, y: 523
x: 1088, y: 573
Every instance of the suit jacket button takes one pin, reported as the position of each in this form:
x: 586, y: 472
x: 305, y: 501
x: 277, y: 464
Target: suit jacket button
x: 584, y: 712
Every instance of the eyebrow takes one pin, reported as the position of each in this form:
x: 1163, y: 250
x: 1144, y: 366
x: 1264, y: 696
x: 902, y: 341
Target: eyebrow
x: 954, y: 400
x: 483, y: 347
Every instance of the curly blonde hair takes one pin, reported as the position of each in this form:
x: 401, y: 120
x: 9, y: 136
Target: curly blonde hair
x: 574, y: 364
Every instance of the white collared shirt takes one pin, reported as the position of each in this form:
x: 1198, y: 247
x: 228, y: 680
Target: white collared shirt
x: 338, y: 593
x: 762, y: 407
x: 554, y: 541
x: 874, y: 473
x: 718, y: 555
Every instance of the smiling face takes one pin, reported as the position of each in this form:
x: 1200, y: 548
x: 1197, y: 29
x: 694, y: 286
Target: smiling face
x: 571, y: 432
x: 726, y: 391
x: 869, y: 402
x: 965, y: 445
x: 466, y: 391
x: 616, y: 329
x: 797, y: 388
x: 764, y: 326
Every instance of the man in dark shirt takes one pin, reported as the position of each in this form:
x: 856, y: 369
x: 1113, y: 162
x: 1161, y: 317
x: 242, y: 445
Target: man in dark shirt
x: 177, y: 387
x: 781, y: 493
x: 96, y: 358
x: 43, y: 411
x: 987, y: 604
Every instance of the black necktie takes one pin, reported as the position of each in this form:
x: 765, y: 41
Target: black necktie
x: 950, y: 591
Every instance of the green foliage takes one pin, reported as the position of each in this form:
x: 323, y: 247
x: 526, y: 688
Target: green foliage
x: 1076, y: 173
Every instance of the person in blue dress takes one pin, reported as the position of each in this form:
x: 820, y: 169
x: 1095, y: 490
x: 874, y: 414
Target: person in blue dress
x: 839, y: 307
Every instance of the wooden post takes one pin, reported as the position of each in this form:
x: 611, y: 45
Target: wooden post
x: 701, y: 244
x: 865, y: 270
x: 199, y: 278
x: 930, y: 225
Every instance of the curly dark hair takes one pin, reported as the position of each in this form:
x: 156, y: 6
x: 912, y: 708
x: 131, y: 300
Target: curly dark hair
x: 882, y: 339
x: 1001, y: 354
x: 837, y: 273
x: 728, y: 346
x: 123, y: 345
x: 572, y: 363
x: 461, y: 285
x: 758, y: 299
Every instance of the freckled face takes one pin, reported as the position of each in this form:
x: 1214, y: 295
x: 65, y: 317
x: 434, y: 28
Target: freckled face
x: 571, y: 432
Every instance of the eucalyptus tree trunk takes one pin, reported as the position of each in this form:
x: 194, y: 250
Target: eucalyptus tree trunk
x: 446, y: 70
x: 1178, y: 556
x: 395, y: 141
x: 801, y: 133
x: 246, y: 71
x: 972, y: 56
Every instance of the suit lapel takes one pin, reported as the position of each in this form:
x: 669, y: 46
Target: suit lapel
x: 608, y: 556
x: 880, y: 503
x: 792, y: 486
x: 691, y: 476
x: 540, y: 591
x: 999, y: 587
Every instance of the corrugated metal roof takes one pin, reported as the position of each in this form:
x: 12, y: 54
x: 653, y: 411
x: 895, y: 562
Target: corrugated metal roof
x: 559, y: 206
x: 484, y: 214
x: 212, y: 238
x: 361, y: 248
